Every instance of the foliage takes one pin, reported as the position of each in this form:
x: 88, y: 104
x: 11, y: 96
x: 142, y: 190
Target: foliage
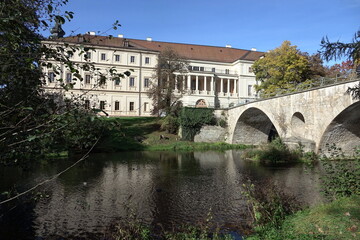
x: 282, y: 69
x: 268, y: 205
x: 193, y: 146
x: 338, y: 50
x: 273, y: 153
x: 192, y: 119
x: 169, y: 74
x: 30, y: 119
x: 170, y: 124
x: 341, y: 177
x: 336, y: 220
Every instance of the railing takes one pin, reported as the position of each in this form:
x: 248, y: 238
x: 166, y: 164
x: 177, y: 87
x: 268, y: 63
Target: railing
x: 213, y: 70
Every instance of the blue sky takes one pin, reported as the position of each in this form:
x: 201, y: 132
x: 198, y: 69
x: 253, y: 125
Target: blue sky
x: 263, y: 24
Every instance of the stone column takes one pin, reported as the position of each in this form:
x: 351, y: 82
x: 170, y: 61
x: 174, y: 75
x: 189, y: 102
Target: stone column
x: 189, y: 82
x: 175, y: 83
x: 212, y: 85
x: 235, y: 87
x: 205, y: 85
x: 197, y: 84
x: 222, y: 87
x: 228, y: 87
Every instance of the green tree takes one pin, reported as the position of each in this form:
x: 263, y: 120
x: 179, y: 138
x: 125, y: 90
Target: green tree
x: 32, y: 121
x: 281, y: 70
x: 169, y: 75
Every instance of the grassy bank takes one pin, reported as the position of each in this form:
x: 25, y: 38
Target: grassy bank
x: 339, y: 219
x: 144, y: 133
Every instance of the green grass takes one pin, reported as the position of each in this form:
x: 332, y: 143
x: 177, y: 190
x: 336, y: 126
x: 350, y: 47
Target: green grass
x: 143, y: 134
x: 337, y: 220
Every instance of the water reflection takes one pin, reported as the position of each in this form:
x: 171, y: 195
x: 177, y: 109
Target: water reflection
x: 159, y: 187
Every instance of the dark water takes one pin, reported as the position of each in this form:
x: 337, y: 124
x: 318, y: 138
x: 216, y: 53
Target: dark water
x: 157, y: 187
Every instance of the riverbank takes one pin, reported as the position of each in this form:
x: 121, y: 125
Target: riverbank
x: 145, y: 134
x: 339, y: 219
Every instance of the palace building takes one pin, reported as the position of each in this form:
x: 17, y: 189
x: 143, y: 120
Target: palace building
x: 217, y: 76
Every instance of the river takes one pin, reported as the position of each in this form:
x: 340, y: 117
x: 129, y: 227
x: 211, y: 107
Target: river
x: 164, y: 188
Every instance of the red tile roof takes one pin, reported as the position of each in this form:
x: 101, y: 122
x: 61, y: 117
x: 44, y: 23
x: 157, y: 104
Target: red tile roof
x: 189, y: 51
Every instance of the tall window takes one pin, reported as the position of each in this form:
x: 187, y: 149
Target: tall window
x: 117, y: 105
x: 51, y: 77
x: 146, y: 106
x: 227, y: 71
x: 68, y: 77
x: 87, y: 104
x: 147, y: 60
x: 249, y: 90
x: 132, y: 82
x: 131, y: 107
x: 87, y: 79
x: 87, y: 56
x: 132, y: 59
x: 250, y: 70
x: 103, y: 57
x: 146, y: 82
x: 213, y: 69
x: 117, y: 58
x: 102, y: 105
x: 117, y: 81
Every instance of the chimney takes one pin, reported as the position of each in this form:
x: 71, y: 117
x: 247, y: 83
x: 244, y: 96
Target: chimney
x: 91, y: 33
x: 120, y: 36
x: 149, y: 39
x: 253, y: 49
x: 228, y: 46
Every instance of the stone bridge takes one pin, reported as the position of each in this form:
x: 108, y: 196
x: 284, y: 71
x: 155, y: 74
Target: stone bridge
x: 316, y: 118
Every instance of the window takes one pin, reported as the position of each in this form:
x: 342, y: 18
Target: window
x: 117, y: 58
x: 68, y: 77
x: 87, y: 79
x: 250, y: 70
x: 147, y: 60
x: 227, y: 71
x: 131, y: 107
x: 202, y: 69
x: 132, y: 59
x: 87, y: 104
x: 196, y: 68
x: 51, y: 77
x: 102, y: 105
x: 146, y: 82
x: 146, y: 106
x: 190, y: 68
x: 70, y: 54
x: 132, y: 82
x: 117, y: 81
x: 249, y: 90
x: 103, y: 57
x: 213, y: 69
x: 87, y: 56
x: 117, y: 105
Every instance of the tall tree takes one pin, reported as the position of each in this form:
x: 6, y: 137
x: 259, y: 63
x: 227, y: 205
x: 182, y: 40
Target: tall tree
x: 281, y: 70
x: 169, y: 76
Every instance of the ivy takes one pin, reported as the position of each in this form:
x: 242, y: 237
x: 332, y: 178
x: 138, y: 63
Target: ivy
x: 192, y: 119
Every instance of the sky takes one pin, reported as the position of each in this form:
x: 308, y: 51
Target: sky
x: 244, y: 24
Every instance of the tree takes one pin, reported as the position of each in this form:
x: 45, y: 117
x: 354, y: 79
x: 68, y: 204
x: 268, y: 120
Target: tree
x: 281, y: 70
x: 342, y: 70
x: 338, y: 50
x: 31, y: 120
x: 170, y: 75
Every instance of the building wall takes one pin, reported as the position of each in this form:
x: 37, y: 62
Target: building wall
x: 205, y: 78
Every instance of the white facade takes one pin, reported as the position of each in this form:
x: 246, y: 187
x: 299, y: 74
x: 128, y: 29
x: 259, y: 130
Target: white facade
x: 231, y: 83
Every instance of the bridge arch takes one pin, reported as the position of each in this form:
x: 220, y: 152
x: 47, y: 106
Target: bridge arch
x: 297, y: 124
x: 254, y: 127
x: 343, y: 131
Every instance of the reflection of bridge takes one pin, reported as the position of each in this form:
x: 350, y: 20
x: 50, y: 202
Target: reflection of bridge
x: 315, y: 118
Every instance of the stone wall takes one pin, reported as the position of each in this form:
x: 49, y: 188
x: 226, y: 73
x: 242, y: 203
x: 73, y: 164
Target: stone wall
x: 211, y: 134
